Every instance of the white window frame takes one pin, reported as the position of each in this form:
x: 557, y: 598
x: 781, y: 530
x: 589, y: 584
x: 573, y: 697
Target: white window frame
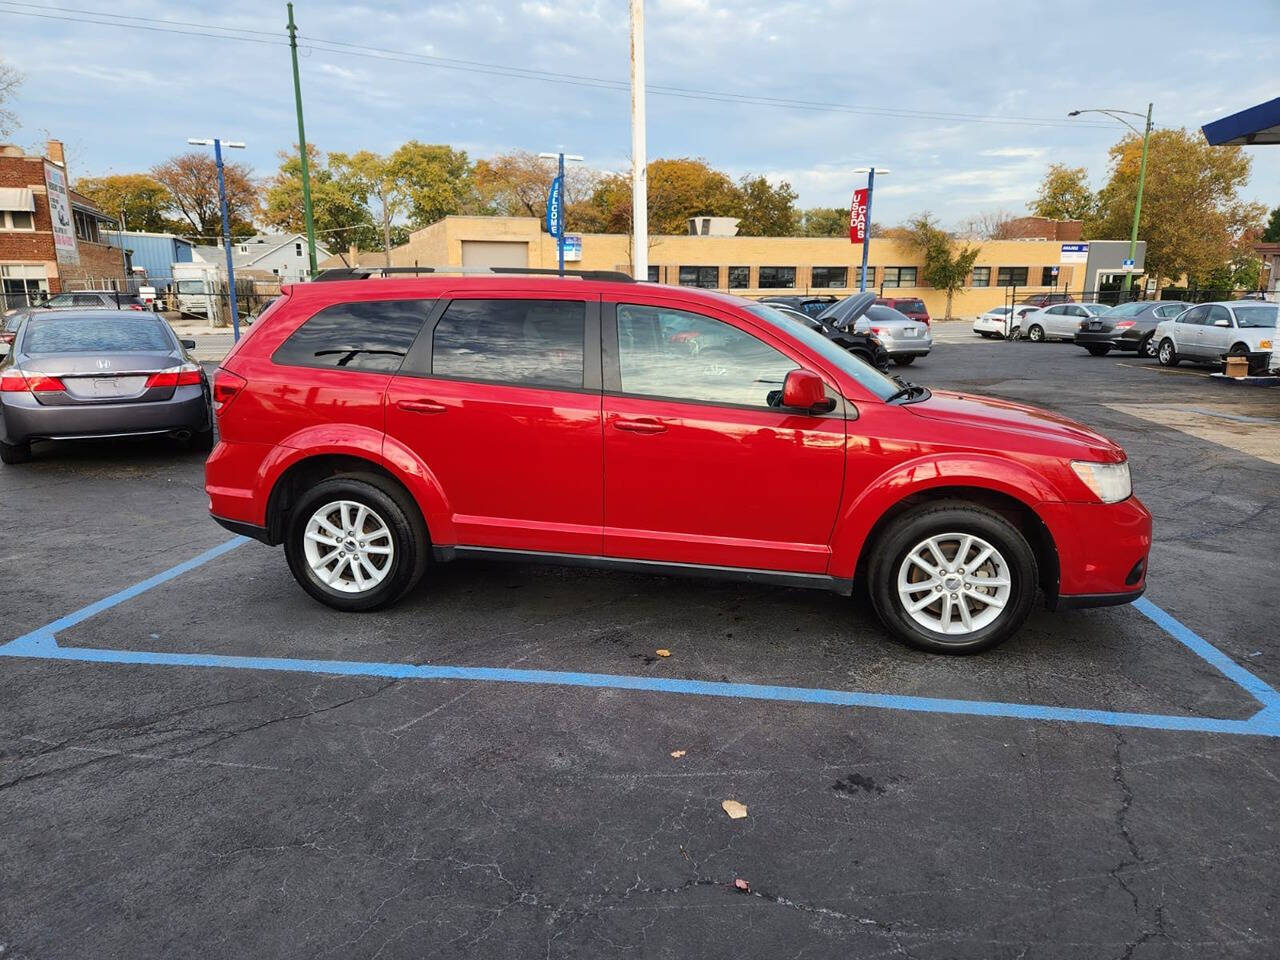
x: 6, y: 221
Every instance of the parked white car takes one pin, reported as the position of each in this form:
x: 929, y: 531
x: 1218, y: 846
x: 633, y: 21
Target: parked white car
x: 1211, y: 332
x: 994, y: 322
x: 1060, y: 321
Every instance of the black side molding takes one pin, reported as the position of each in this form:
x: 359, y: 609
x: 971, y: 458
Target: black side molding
x: 1080, y: 601
x: 251, y: 530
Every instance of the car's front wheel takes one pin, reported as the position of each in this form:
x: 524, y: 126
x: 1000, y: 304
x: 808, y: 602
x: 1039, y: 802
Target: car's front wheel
x: 953, y: 577
x: 1035, y: 333
x: 356, y: 543
x: 1166, y: 353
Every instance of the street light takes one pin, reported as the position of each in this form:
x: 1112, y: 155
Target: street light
x: 559, y: 235
x: 217, y: 145
x: 1145, y: 133
x: 866, y: 240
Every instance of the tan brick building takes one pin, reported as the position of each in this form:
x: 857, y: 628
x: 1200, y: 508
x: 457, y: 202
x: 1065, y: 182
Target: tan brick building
x: 50, y: 236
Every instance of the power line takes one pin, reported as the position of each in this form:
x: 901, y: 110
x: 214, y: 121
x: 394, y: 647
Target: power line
x: 344, y: 48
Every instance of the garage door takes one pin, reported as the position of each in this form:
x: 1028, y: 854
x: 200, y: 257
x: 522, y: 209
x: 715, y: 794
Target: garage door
x: 495, y: 253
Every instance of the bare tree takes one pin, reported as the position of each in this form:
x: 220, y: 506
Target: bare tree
x: 990, y: 225
x: 10, y: 79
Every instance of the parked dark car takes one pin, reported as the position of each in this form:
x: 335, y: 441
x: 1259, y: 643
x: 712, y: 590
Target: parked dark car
x: 9, y: 327
x: 809, y: 306
x: 1128, y: 326
x: 867, y: 347
x: 912, y: 307
x: 76, y: 375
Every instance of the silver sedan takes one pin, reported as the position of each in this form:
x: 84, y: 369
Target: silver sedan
x: 903, y: 339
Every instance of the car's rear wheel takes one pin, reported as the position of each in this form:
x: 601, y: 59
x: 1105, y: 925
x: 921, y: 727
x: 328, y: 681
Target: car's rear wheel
x: 904, y: 361
x: 1166, y: 353
x: 356, y: 543
x: 953, y: 577
x: 1035, y: 333
x: 1098, y: 349
x: 1147, y: 348
x: 15, y: 452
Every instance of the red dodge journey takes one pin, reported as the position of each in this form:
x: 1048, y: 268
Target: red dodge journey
x: 377, y: 425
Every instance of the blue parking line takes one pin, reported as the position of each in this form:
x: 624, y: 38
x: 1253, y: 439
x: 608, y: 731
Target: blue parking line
x: 42, y: 644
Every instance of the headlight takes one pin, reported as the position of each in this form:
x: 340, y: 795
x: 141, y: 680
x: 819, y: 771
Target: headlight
x: 1109, y: 481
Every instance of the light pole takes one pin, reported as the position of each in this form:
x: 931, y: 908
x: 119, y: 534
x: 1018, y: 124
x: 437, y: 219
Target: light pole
x: 866, y: 239
x: 639, y: 164
x: 1145, y: 133
x: 216, y: 143
x: 561, y: 157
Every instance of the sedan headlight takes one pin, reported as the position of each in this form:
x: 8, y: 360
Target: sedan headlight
x: 1109, y: 481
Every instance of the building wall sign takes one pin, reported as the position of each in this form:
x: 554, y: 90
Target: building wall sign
x: 1074, y: 253
x: 64, y: 229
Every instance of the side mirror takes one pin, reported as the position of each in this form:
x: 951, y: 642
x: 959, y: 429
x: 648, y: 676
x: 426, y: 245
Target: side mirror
x: 804, y: 390
x: 1221, y: 323
x: 188, y: 344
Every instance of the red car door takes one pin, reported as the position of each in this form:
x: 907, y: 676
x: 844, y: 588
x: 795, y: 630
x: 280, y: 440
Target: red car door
x: 500, y: 398
x: 699, y: 467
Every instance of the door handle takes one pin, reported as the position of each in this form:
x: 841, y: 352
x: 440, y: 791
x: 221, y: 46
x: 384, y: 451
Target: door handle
x: 640, y: 426
x: 421, y: 406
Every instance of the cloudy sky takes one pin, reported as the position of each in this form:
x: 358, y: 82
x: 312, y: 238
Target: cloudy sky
x: 914, y: 85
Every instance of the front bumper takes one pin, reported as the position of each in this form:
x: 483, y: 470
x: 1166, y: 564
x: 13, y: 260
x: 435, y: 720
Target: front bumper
x: 23, y: 418
x: 1102, y: 551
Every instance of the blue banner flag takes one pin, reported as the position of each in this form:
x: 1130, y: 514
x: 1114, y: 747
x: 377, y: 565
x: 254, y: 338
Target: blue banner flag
x: 555, y: 207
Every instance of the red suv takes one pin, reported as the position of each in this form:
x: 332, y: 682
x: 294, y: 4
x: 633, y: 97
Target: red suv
x: 377, y: 426
x: 913, y: 307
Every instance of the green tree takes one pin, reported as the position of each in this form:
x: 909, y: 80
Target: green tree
x: 1192, y: 214
x: 339, y: 211
x: 824, y: 222
x: 765, y: 210
x: 1271, y: 234
x: 682, y: 188
x: 946, y: 266
x: 1064, y: 194
x: 436, y: 179
x: 139, y: 198
x: 379, y: 184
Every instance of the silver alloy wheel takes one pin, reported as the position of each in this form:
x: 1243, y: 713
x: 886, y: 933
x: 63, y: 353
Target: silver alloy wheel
x: 954, y: 584
x: 1148, y: 347
x: 1166, y: 351
x: 1035, y: 333
x: 348, y: 546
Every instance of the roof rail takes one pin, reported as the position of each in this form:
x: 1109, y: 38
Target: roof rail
x: 365, y: 273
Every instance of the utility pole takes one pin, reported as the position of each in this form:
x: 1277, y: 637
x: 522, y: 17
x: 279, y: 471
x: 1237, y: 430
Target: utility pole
x: 307, y: 214
x: 639, y: 165
x: 216, y: 143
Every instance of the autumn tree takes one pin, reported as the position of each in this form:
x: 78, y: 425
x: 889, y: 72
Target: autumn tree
x: 379, y: 183
x: 682, y: 188
x: 437, y: 180
x: 139, y: 199
x: 1192, y: 214
x: 10, y: 80
x: 516, y: 184
x: 339, y: 211
x: 990, y: 225
x: 946, y: 265
x: 191, y: 182
x: 764, y: 210
x: 823, y: 222
x: 1064, y: 194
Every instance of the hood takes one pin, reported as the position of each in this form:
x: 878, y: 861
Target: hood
x: 993, y: 413
x: 844, y: 313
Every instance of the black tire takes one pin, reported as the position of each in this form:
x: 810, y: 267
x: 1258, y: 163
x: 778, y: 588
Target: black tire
x: 1167, y: 354
x: 397, y: 510
x: 904, y: 361
x: 1035, y: 333
x: 13, y: 453
x: 907, y: 531
x: 1098, y: 349
x: 1147, y: 348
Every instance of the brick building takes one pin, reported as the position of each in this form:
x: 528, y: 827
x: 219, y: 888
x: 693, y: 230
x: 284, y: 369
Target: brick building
x: 50, y: 236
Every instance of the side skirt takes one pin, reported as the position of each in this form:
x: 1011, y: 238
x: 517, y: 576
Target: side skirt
x: 811, y: 581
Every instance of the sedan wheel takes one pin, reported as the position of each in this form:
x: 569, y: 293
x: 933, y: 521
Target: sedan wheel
x: 1147, y: 348
x: 1035, y: 333
x: 1167, y: 355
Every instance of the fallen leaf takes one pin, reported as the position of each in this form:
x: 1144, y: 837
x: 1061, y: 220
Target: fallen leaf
x: 743, y: 885
x: 734, y: 809
x: 677, y: 754
x: 664, y: 653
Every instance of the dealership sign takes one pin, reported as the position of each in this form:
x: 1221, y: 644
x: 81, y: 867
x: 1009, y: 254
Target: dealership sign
x: 64, y: 229
x: 1074, y: 253
x: 555, y: 207
x: 858, y: 217
x: 572, y: 246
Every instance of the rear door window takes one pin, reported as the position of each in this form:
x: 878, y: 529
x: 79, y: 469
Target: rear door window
x: 370, y: 335
x: 534, y: 343
x: 124, y: 334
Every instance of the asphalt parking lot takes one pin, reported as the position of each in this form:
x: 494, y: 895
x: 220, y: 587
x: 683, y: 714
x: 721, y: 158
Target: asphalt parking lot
x: 483, y: 775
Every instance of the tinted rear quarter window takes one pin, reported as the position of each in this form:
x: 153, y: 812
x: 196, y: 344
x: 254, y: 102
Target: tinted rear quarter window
x: 521, y: 342
x: 123, y: 334
x: 370, y: 335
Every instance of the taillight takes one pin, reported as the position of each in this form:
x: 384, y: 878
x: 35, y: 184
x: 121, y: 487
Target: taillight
x: 187, y: 375
x: 135, y: 306
x: 1124, y: 324
x: 225, y: 387
x: 15, y: 381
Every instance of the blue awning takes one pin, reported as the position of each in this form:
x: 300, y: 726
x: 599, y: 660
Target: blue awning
x: 1260, y: 124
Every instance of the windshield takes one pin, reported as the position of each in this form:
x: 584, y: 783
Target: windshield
x: 191, y: 286
x: 1096, y: 308
x: 882, y: 314
x: 1259, y: 316
x: 96, y: 335
x: 869, y: 377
